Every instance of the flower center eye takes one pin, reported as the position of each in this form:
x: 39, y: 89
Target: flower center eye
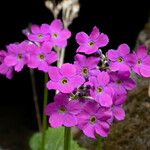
x: 139, y: 61
x: 91, y: 43
x: 93, y: 120
x: 64, y: 81
x: 40, y: 35
x: 20, y: 56
x: 55, y: 35
x: 42, y: 56
x: 99, y: 90
x: 85, y: 71
x: 62, y: 109
x: 119, y: 82
x: 120, y: 59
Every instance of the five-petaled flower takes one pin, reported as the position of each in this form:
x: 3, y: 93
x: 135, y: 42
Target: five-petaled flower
x: 93, y: 119
x: 120, y: 58
x: 62, y: 111
x: 141, y: 62
x: 90, y: 44
x: 64, y: 79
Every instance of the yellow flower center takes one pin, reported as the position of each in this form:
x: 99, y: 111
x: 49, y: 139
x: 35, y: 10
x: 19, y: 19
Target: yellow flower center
x: 20, y: 56
x: 100, y: 90
x: 120, y: 59
x: 40, y: 36
x: 139, y: 61
x: 119, y: 82
x: 64, y: 81
x: 91, y: 43
x: 93, y: 120
x: 85, y: 71
x: 55, y: 35
x: 62, y: 109
x: 42, y: 56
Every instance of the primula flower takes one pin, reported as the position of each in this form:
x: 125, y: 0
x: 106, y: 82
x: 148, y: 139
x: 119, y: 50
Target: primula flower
x: 93, y: 120
x: 58, y: 34
x: 117, y: 109
x: 120, y: 58
x: 17, y: 56
x: 4, y: 69
x: 42, y: 56
x: 64, y: 79
x: 63, y: 111
x: 101, y: 90
x: 142, y: 62
x: 121, y: 82
x: 90, y: 44
x: 86, y: 65
x: 39, y: 34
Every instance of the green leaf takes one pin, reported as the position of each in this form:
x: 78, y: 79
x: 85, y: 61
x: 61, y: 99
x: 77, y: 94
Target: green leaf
x: 54, y: 140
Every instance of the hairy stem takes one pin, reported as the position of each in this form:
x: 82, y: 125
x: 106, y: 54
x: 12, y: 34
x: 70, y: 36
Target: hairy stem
x: 67, y: 138
x: 44, y: 123
x: 99, y: 145
x: 35, y: 98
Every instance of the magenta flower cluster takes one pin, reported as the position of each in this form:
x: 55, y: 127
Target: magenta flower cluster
x: 35, y: 52
x: 91, y: 91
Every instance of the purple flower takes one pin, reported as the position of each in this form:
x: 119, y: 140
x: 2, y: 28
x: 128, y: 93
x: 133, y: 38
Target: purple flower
x: 64, y: 79
x: 91, y: 44
x: 58, y: 34
x: 4, y: 69
x: 63, y: 111
x: 117, y: 108
x: 119, y: 59
x: 93, y: 120
x: 17, y: 56
x: 42, y: 56
x: 39, y: 34
x: 101, y: 90
x: 121, y: 82
x: 142, y: 62
x: 86, y: 65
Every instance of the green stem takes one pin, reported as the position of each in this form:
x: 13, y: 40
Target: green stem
x: 99, y: 145
x: 67, y: 138
x: 44, y: 121
x: 35, y: 98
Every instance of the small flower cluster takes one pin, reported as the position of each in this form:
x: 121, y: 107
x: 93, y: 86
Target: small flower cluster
x: 37, y: 51
x: 93, y: 90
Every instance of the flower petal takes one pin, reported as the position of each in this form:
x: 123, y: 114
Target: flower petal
x: 142, y: 51
x: 95, y: 33
x: 145, y: 71
x: 56, y: 25
x: 10, y: 60
x: 68, y: 70
x: 82, y: 38
x: 102, y: 129
x: 54, y: 73
x: 88, y: 130
x: 56, y: 120
x: 35, y: 29
x: 123, y: 49
x: 119, y: 113
x: 69, y: 120
x: 112, y: 55
x: 102, y: 40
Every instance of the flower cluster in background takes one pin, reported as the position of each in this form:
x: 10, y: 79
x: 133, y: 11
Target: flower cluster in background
x: 93, y: 89
x: 36, y: 52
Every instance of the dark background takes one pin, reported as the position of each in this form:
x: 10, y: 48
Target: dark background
x: 122, y: 21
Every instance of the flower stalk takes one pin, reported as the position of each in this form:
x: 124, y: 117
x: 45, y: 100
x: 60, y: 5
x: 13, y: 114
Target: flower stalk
x: 67, y: 138
x: 35, y: 98
x: 44, y: 122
